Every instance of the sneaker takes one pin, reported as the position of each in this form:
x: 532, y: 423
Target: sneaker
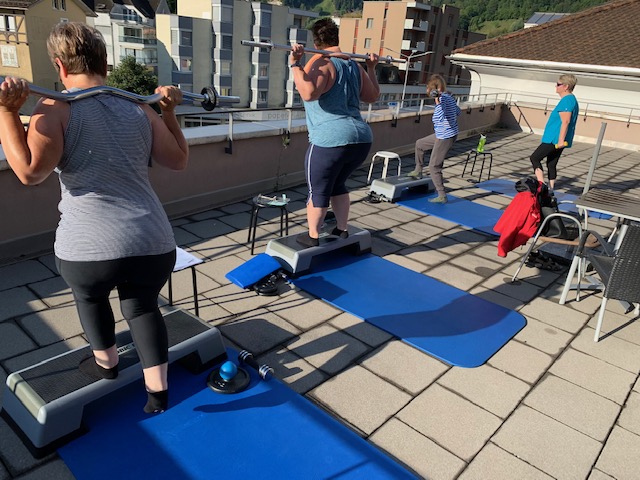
x: 340, y: 233
x: 307, y: 241
x: 439, y: 199
x: 415, y: 174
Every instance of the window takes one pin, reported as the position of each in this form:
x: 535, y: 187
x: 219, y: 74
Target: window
x: 450, y: 20
x: 369, y: 22
x: 7, y: 23
x: 227, y: 42
x: 186, y: 87
x: 264, y: 71
x: 367, y: 43
x: 224, y: 67
x: 9, y: 56
x: 181, y: 37
x: 223, y: 13
x: 185, y: 64
x: 265, y: 19
x: 263, y: 96
x: 225, y: 91
x: 59, y: 4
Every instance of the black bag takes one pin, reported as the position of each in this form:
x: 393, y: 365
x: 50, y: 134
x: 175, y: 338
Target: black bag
x: 527, y: 184
x: 554, y: 228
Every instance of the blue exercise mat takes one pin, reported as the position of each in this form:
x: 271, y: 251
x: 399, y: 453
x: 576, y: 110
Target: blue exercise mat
x: 450, y: 324
x: 266, y: 431
x: 508, y: 188
x: 458, y: 210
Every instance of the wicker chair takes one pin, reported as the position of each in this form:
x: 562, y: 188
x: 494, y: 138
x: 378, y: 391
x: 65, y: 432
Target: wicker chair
x: 620, y: 273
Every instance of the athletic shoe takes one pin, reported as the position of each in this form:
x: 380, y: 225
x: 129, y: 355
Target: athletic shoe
x: 415, y: 174
x: 439, y: 199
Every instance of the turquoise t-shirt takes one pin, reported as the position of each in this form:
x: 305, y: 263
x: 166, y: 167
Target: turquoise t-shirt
x: 551, y: 133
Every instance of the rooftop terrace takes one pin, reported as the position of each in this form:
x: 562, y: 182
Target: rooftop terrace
x: 550, y: 404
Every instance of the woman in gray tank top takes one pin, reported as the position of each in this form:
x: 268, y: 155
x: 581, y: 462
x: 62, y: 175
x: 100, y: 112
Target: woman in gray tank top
x: 113, y: 231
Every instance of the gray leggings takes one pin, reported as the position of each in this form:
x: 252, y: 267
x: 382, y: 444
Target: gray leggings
x: 439, y: 148
x: 139, y: 281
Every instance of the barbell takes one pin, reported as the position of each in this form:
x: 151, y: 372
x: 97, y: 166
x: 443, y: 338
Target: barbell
x: 270, y: 46
x: 208, y: 97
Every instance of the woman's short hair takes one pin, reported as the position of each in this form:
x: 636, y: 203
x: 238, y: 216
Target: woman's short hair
x: 436, y: 82
x: 80, y: 48
x: 569, y: 80
x: 325, y: 33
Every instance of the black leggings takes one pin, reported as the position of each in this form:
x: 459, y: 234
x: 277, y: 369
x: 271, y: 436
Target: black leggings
x: 139, y: 281
x: 552, y: 153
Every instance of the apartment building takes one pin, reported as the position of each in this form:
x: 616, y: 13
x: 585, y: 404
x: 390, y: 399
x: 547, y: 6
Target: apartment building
x: 24, y: 28
x: 407, y: 30
x: 202, y: 46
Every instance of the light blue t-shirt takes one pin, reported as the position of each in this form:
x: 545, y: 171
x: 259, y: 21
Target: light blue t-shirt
x: 334, y: 119
x: 551, y: 133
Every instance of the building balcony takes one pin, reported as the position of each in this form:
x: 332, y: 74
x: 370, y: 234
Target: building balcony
x: 138, y: 40
x: 420, y: 25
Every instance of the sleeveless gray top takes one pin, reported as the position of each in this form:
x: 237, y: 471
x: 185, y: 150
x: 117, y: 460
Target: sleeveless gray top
x: 108, y: 208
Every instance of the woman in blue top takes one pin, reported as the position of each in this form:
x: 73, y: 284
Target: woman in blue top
x: 332, y: 87
x: 559, y: 131
x: 445, y: 128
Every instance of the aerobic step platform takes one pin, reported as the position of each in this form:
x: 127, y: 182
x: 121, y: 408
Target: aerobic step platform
x: 391, y: 188
x: 45, y: 402
x: 296, y: 258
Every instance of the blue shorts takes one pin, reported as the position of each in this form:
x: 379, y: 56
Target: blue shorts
x: 327, y: 170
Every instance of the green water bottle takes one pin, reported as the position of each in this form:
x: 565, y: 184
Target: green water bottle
x: 483, y: 140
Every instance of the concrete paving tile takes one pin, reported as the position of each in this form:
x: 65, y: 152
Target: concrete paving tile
x: 4, y: 474
x: 184, y: 238
x: 402, y: 236
x: 36, y: 356
x: 237, y: 300
x: 303, y: 310
x: 447, y: 243
x: 501, y: 283
x: 217, y: 268
x: 299, y: 375
x: 594, y: 374
x: 497, y: 298
x: 435, y: 410
x: 19, y: 301
x: 363, y: 331
x: 327, y: 348
x: 361, y: 398
x: 382, y: 247
x: 455, y: 276
x: 399, y: 214
x: 377, y: 223
x: 406, y: 262
x: 212, y: 313
x: 489, y: 251
x: 481, y: 266
x: 425, y: 256
x: 54, y: 470
x: 404, y: 366
x: 13, y: 341
x: 14, y: 454
x: 626, y: 327
x: 426, y: 458
x: 636, y: 387
x: 419, y: 227
x: 258, y: 331
x: 52, y: 325
x: 496, y: 464
x: 486, y: 387
x: 598, y: 475
x: 630, y: 416
x: 521, y: 361
x: 574, y: 406
x: 616, y: 351
x: 619, y: 457
x: 544, y: 337
x: 208, y: 228
x: 548, y: 445
x: 23, y: 273
x: 559, y: 316
x: 217, y: 247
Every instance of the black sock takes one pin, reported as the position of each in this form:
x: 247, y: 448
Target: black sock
x: 157, y: 402
x: 88, y: 366
x: 306, y: 240
x: 340, y: 233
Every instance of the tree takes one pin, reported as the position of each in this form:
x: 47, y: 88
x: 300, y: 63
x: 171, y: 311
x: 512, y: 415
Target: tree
x: 133, y: 77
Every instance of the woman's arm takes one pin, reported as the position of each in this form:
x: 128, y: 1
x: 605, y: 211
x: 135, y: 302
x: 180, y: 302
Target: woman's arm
x: 370, y: 90
x: 35, y: 154
x: 170, y: 149
x: 317, y: 76
x: 565, y: 118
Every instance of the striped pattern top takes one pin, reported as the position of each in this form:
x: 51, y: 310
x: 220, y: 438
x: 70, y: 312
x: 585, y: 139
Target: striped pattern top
x: 108, y: 208
x: 445, y: 117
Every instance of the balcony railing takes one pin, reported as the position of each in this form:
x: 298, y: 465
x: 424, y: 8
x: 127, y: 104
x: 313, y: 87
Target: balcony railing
x: 141, y: 60
x: 145, y: 41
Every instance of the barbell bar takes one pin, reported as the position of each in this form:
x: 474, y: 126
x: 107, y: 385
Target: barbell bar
x: 208, y: 97
x: 270, y: 46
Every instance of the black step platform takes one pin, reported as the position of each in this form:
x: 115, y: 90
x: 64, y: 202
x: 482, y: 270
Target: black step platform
x: 45, y: 402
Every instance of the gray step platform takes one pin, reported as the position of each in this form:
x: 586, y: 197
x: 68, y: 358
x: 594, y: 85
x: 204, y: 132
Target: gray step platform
x: 297, y: 259
x: 390, y: 189
x: 45, y: 402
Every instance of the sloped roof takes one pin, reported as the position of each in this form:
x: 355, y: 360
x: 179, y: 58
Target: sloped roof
x: 17, y: 3
x: 604, y: 35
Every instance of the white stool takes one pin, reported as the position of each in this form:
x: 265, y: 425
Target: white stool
x: 385, y: 156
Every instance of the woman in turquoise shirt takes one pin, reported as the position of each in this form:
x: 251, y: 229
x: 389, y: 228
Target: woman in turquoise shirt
x: 559, y: 131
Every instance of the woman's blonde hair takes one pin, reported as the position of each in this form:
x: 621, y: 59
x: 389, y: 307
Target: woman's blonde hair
x: 569, y: 80
x: 436, y: 82
x: 80, y: 48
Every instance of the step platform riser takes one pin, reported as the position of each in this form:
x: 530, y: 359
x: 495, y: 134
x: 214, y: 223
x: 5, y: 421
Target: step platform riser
x: 390, y: 189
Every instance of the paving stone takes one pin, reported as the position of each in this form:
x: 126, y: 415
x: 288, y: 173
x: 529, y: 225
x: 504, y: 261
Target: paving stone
x: 619, y: 457
x: 486, y: 387
x: 238, y: 301
x: 598, y: 475
x: 497, y: 298
x: 559, y: 316
x: 426, y: 256
x: 43, y: 353
x: 405, y: 366
x: 272, y: 329
x: 53, y: 291
x: 426, y: 458
x: 14, y: 454
x: 481, y: 266
x: 496, y: 464
x: 501, y: 283
x: 4, y: 474
x: 616, y: 351
x: 544, y: 337
x: 327, y: 348
x: 19, y: 301
x: 363, y: 399
x: 548, y: 445
x: 53, y: 325
x: 455, y: 276
x: 208, y: 228
x: 435, y: 410
x: 625, y: 327
x: 13, y: 341
x: 23, y: 273
x: 54, y: 470
x: 630, y: 416
x: 298, y: 374
x: 522, y: 361
x: 303, y: 310
x: 406, y: 262
x: 574, y: 406
x: 593, y: 374
x: 215, y: 248
x: 363, y: 331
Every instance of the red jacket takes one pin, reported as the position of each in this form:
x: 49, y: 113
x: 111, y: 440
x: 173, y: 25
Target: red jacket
x: 518, y: 222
